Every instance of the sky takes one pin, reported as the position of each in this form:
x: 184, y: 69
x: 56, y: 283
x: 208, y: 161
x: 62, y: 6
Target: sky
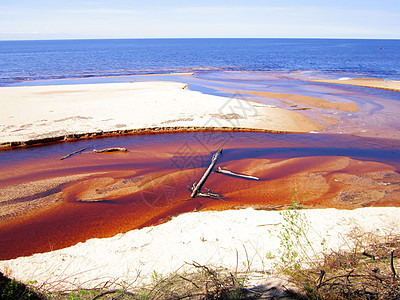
x: 74, y: 19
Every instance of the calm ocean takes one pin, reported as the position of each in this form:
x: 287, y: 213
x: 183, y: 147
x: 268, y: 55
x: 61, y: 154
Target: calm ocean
x: 38, y: 60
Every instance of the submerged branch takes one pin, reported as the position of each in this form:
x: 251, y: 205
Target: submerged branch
x: 227, y: 172
x: 111, y: 150
x: 73, y: 153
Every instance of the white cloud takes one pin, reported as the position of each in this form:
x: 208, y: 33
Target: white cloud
x: 96, y: 11
x: 227, y: 9
x: 19, y: 32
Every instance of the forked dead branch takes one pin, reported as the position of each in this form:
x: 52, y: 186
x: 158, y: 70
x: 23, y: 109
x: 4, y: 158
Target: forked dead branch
x: 197, y: 188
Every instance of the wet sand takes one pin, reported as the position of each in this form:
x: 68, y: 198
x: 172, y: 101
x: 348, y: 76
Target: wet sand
x: 314, y: 102
x: 340, y: 108
x: 392, y: 85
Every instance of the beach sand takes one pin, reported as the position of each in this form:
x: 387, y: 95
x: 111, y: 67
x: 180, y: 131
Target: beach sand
x: 39, y: 112
x: 234, y: 239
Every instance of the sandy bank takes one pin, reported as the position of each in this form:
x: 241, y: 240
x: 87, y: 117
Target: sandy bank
x: 42, y: 112
x: 293, y: 99
x: 393, y: 85
x: 232, y: 239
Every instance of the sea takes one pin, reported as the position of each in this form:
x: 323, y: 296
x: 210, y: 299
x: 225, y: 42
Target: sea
x: 26, y: 62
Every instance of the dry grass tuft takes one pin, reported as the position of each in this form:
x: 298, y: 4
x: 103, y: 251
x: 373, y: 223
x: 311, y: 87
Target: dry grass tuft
x: 368, y: 271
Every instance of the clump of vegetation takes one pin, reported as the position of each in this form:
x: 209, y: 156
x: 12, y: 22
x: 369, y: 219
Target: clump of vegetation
x: 12, y: 290
x: 203, y: 282
x: 366, y: 272
x: 295, y: 247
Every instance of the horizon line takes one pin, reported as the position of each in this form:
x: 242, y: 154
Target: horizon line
x: 198, y: 38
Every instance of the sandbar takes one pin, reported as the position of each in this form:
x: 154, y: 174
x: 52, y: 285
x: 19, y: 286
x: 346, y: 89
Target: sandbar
x: 393, y: 85
x: 315, y: 102
x: 43, y: 112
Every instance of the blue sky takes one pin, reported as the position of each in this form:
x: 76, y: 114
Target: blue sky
x: 45, y: 19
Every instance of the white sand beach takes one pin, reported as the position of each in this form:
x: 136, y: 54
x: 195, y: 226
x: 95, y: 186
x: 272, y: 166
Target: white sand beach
x: 238, y: 240
x: 50, y: 111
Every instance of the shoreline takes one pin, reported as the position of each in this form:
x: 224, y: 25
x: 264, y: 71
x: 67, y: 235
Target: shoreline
x: 50, y: 112
x: 383, y: 84
x: 299, y: 113
x: 135, y: 75
x: 125, y: 132
x: 243, y: 234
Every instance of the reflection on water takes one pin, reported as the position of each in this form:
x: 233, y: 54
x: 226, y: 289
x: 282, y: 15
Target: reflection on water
x: 243, y: 144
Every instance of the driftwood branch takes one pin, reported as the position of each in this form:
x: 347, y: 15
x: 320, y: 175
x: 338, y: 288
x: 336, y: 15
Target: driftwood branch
x: 227, y: 172
x: 184, y: 278
x: 73, y: 153
x: 203, y: 179
x: 113, y: 292
x: 210, y: 195
x: 110, y: 150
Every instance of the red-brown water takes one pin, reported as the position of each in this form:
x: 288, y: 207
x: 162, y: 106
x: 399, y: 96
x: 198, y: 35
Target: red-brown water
x: 151, y: 183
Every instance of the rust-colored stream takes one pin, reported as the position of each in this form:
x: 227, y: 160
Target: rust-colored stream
x: 150, y: 183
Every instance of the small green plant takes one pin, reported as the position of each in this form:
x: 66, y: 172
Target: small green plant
x: 270, y: 255
x: 74, y: 296
x: 10, y: 290
x: 295, y: 246
x: 248, y: 262
x: 156, y: 277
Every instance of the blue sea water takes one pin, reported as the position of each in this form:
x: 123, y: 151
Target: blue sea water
x: 22, y: 61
